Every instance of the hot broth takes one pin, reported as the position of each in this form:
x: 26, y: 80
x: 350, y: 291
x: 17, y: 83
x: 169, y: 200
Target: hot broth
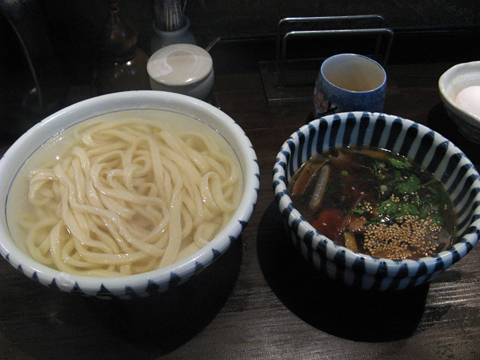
x: 375, y: 202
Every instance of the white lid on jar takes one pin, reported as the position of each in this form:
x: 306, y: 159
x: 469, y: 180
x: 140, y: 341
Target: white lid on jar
x: 179, y: 64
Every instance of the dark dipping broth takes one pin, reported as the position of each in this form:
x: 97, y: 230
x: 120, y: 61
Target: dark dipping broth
x: 374, y: 202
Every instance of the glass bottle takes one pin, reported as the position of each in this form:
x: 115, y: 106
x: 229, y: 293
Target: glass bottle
x: 121, y: 65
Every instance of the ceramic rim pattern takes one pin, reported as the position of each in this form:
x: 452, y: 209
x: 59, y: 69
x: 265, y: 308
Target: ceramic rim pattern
x: 417, y: 142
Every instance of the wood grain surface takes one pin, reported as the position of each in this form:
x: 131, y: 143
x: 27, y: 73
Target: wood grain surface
x: 262, y: 301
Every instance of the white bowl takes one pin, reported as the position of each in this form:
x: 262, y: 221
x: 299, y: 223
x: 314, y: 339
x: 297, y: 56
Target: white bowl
x: 450, y: 84
x: 139, y: 285
x: 182, y: 68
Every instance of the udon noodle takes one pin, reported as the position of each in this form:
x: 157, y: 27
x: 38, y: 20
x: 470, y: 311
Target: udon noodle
x: 130, y: 196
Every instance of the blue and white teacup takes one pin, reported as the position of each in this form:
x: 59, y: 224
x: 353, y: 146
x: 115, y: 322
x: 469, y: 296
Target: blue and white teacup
x: 349, y: 82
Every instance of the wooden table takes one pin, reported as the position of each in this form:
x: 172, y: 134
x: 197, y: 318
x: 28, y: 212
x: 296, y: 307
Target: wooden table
x: 272, y: 305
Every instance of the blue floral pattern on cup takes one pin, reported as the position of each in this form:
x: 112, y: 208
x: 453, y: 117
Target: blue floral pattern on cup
x: 330, y: 97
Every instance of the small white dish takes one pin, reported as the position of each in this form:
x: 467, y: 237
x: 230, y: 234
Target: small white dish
x: 182, y: 68
x: 450, y: 84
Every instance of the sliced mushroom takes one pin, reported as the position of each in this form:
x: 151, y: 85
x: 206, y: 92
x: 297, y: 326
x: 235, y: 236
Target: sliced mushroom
x: 382, y: 155
x: 320, y: 188
x: 307, y: 173
x: 350, y: 242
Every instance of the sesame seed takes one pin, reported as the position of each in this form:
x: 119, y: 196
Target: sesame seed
x: 404, y: 238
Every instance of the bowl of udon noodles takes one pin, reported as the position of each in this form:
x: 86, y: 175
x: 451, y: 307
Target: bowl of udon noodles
x: 126, y: 194
x: 375, y: 201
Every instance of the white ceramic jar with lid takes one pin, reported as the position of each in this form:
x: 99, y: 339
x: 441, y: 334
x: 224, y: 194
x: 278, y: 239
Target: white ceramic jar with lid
x: 182, y: 68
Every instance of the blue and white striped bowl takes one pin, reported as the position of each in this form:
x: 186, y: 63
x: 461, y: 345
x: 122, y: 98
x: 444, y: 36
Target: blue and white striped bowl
x: 419, y: 143
x: 156, y: 281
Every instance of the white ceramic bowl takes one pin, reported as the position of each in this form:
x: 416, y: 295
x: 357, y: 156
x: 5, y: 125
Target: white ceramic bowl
x: 450, y: 84
x: 140, y: 285
x: 182, y: 68
x: 420, y: 144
